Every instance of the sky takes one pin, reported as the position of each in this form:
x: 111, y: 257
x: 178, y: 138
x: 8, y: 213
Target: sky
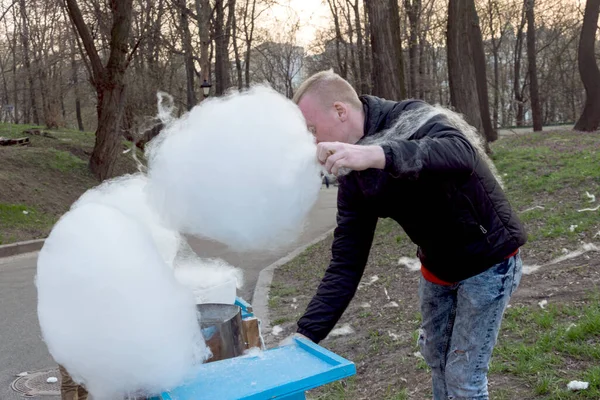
x: 312, y: 13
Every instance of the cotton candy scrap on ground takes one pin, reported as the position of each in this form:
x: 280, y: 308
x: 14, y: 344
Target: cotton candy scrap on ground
x: 591, y: 197
x: 573, y: 227
x: 413, y: 264
x: 276, y: 330
x: 371, y: 281
x: 578, y: 385
x: 343, y: 330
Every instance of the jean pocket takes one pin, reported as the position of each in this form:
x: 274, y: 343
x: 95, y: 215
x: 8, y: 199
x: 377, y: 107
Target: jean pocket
x: 503, y: 267
x: 517, y: 272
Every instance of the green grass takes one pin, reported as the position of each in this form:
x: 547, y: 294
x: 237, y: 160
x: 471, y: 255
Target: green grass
x: 70, y: 136
x: 552, y: 170
x: 65, y: 161
x: 20, y: 216
x: 46, y: 177
x: 549, y: 348
x: 339, y: 390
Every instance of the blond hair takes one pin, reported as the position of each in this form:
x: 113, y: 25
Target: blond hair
x: 328, y: 87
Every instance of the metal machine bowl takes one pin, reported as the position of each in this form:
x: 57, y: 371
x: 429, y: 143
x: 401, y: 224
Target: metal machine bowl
x: 222, y: 329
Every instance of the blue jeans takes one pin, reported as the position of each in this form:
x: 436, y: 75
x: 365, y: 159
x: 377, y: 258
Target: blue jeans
x: 460, y: 328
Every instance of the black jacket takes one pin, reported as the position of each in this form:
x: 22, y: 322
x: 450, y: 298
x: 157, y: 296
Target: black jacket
x: 437, y: 188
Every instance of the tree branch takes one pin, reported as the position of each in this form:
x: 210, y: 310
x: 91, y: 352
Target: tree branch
x: 131, y: 54
x: 86, y: 37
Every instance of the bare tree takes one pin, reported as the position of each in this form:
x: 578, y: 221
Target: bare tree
x: 386, y: 47
x: 27, y: 62
x: 203, y: 11
x: 221, y: 39
x: 517, y: 89
x: 339, y: 39
x: 534, y: 93
x: 588, y: 68
x: 278, y: 60
x: 466, y: 66
x: 75, y: 79
x: 413, y: 11
x: 109, y: 82
x: 188, y: 53
x: 363, y: 80
x: 497, y: 31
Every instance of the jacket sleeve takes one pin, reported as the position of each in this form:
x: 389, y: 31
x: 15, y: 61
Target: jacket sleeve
x: 351, y: 246
x: 441, y: 148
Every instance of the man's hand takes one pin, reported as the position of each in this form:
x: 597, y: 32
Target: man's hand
x: 336, y: 155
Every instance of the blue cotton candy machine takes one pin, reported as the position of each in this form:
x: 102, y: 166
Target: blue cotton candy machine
x: 281, y: 373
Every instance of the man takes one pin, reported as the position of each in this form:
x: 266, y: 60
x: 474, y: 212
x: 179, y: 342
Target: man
x: 424, y: 167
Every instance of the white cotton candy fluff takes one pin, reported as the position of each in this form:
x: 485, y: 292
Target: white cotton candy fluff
x: 127, y: 194
x: 240, y: 170
x: 211, y: 280
x: 110, y: 308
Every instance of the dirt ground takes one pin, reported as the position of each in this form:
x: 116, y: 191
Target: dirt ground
x: 46, y: 177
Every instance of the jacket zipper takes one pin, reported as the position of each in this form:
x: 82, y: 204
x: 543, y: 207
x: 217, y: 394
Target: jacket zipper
x: 476, y: 215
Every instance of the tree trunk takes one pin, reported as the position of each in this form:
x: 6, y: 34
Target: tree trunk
x: 203, y: 14
x: 423, y: 67
x: 188, y: 55
x: 221, y: 52
x: 236, y: 52
x: 338, y: 38
x: 353, y: 65
x: 413, y: 11
x: 360, y: 47
x: 75, y: 78
x: 386, y: 47
x: 588, y: 69
x: 495, y: 53
x: 534, y: 93
x: 16, y: 117
x: 517, y: 71
x: 109, y: 83
x: 496, y: 89
x: 462, y: 60
x: 368, y: 51
x: 27, y: 62
x: 5, y: 99
x: 481, y: 74
x: 249, y: 36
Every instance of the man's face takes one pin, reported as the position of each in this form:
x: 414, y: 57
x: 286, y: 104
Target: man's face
x: 325, y: 123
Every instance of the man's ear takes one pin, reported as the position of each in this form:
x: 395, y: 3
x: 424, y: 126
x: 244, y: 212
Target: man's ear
x: 342, y: 110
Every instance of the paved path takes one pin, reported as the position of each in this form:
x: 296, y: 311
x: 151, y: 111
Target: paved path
x: 21, y: 348
x: 320, y: 220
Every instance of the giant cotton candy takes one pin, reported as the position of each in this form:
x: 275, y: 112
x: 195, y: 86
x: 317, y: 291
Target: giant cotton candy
x: 110, y: 308
x: 241, y: 170
x: 128, y: 195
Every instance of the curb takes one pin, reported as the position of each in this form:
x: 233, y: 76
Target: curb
x: 14, y: 249
x: 260, y: 299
